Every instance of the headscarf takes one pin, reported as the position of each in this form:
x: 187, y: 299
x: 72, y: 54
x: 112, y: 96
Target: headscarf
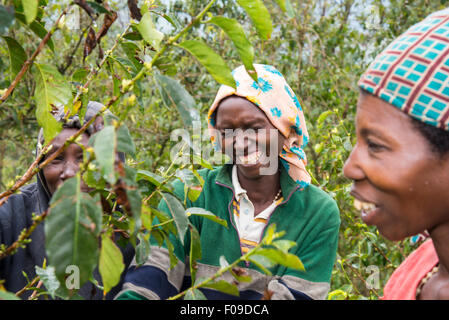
x: 412, y: 73
x: 276, y: 99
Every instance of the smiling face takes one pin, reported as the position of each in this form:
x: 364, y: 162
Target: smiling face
x: 66, y: 165
x: 247, y: 136
x: 400, y: 184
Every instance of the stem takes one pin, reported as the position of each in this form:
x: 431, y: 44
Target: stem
x: 21, y: 291
x: 35, y: 166
x: 24, y: 235
x: 147, y: 67
x: 93, y: 73
x: 220, y: 272
x: 30, y: 60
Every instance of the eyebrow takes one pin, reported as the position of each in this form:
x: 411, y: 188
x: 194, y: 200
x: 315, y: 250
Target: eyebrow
x: 373, y: 132
x: 249, y: 123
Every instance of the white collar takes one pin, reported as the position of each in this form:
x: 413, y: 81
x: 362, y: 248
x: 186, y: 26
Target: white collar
x: 239, y: 191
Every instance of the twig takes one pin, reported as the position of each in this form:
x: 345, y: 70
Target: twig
x: 24, y: 235
x: 21, y: 291
x: 33, y: 295
x: 30, y: 60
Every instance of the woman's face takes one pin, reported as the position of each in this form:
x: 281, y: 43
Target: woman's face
x: 66, y: 165
x: 247, y: 136
x: 400, y: 185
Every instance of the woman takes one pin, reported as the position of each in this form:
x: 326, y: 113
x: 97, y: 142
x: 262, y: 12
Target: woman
x: 400, y: 164
x: 16, y: 213
x: 265, y: 184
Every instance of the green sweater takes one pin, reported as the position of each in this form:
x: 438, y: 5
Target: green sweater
x: 309, y: 217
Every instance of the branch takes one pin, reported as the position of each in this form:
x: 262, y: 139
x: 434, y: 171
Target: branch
x: 30, y: 60
x: 32, y: 170
x: 23, y: 236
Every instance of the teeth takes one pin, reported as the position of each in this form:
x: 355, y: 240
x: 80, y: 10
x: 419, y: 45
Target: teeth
x: 250, y: 159
x: 365, y: 206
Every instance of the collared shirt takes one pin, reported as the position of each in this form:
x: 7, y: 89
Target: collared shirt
x: 249, y: 227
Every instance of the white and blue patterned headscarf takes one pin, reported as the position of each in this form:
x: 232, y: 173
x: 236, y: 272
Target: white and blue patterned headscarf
x: 276, y: 99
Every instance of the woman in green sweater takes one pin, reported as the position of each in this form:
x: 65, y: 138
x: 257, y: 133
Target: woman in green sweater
x: 260, y: 125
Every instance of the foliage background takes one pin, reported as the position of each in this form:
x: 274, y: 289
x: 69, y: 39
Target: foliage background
x: 321, y: 50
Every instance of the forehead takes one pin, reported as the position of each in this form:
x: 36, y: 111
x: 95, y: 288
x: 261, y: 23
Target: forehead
x: 237, y: 109
x: 375, y: 114
x: 66, y: 133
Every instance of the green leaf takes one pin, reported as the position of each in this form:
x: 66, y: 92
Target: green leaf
x: 71, y: 230
x: 52, y: 90
x: 6, y: 18
x: 262, y: 262
x: 5, y: 295
x: 149, y: 32
x: 270, y: 234
x: 223, y: 262
x: 194, y: 294
x: 240, y: 277
x: 286, y: 259
x: 195, y: 251
x: 30, y: 10
x: 259, y: 15
x: 286, y: 7
x: 98, y: 7
x: 41, y: 32
x: 224, y: 287
x: 111, y: 263
x: 323, y: 116
x: 235, y: 32
x: 214, y: 64
x: 206, y: 214
x: 37, y: 28
x: 177, y: 211
x: 174, y: 95
x: 337, y: 295
x: 105, y: 147
x: 193, y: 194
x: 79, y: 75
x: 142, y: 249
x: 125, y: 143
x: 284, y: 245
x: 153, y: 179
x: 202, y: 162
x: 17, y: 56
x: 48, y: 278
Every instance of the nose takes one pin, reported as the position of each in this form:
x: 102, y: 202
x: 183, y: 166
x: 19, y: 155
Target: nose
x: 352, y: 168
x: 69, y: 170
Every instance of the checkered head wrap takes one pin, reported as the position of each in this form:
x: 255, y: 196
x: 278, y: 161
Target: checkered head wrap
x: 412, y: 73
x: 276, y: 99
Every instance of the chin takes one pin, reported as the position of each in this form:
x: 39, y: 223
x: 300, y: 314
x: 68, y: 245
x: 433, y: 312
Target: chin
x: 250, y: 171
x: 393, y: 234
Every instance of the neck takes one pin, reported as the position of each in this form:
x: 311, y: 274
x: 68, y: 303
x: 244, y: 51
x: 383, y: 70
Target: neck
x: 262, y: 189
x: 440, y: 238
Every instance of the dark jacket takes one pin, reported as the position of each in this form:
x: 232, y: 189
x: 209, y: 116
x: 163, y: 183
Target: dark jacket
x: 15, y: 216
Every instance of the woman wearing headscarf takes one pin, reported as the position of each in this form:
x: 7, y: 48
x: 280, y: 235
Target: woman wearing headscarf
x: 261, y: 126
x: 400, y: 164
x: 16, y: 213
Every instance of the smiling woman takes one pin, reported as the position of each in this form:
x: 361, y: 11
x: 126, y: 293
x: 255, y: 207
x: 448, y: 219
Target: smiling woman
x: 260, y: 125
x: 17, y: 213
x: 400, y: 164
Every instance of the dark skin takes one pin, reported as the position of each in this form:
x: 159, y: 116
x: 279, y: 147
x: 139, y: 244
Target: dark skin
x: 239, y: 113
x: 394, y: 168
x: 66, y: 165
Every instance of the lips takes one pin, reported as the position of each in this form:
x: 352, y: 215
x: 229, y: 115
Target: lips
x: 250, y: 159
x: 368, y: 210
